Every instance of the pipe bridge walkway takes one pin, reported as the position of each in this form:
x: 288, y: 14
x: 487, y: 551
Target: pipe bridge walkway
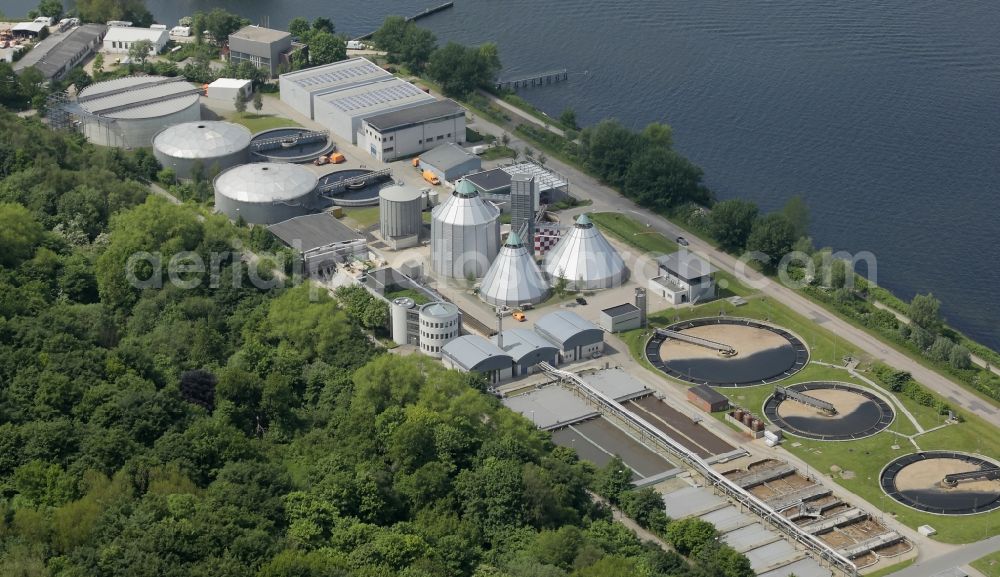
x: 294, y: 140
x: 340, y: 185
x: 991, y: 474
x: 781, y: 393
x: 722, y: 348
x: 647, y: 433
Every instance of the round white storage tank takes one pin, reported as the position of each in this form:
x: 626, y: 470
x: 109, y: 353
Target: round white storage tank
x: 465, y: 234
x: 440, y: 322
x: 265, y: 192
x: 400, y: 217
x: 399, y: 313
x: 127, y: 112
x: 215, y: 145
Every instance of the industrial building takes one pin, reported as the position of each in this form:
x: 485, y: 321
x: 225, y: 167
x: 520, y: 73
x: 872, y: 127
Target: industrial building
x: 514, y: 278
x: 342, y: 95
x: 526, y: 349
x: 623, y: 317
x: 344, y: 110
x: 127, y: 112
x: 400, y: 217
x: 321, y: 241
x: 209, y: 146
x: 410, y: 131
x: 300, y: 88
x: 585, y: 259
x: 523, y: 196
x: 707, y: 399
x: 683, y: 277
x: 474, y: 354
x: 120, y: 39
x: 494, y: 185
x: 59, y: 53
x: 439, y: 323
x: 28, y: 29
x: 575, y: 337
x: 265, y: 192
x: 263, y: 47
x: 228, y: 88
x: 450, y: 162
x: 465, y: 234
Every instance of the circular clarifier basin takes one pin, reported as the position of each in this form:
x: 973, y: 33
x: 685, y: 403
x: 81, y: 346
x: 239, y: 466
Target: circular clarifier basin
x: 943, y: 482
x: 804, y: 410
x: 726, y: 352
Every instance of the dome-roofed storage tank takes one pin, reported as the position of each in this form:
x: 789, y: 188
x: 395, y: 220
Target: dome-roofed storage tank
x: 215, y: 145
x: 400, y: 220
x: 128, y: 111
x: 265, y: 192
x: 514, y: 278
x: 465, y: 234
x: 586, y: 259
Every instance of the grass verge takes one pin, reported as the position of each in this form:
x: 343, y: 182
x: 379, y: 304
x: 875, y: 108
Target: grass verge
x: 988, y: 565
x: 258, y: 122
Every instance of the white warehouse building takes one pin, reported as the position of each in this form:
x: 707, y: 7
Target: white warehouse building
x: 119, y: 39
x: 299, y: 89
x: 342, y: 111
x: 410, y: 131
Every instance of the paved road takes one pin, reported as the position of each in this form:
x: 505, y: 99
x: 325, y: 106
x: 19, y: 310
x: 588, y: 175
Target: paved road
x: 606, y: 199
x: 957, y: 558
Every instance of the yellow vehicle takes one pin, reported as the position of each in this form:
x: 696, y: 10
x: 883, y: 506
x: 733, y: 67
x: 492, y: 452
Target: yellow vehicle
x: 337, y: 158
x: 416, y: 162
x: 431, y: 177
x: 518, y: 316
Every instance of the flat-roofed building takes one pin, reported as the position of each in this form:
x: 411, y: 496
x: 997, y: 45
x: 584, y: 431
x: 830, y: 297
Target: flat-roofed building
x: 119, y: 39
x: 300, y: 88
x: 684, y: 277
x: 227, y: 89
x: 342, y: 111
x: 393, y: 135
x: 263, y: 47
x: 526, y: 349
x: 450, y: 161
x: 623, y: 317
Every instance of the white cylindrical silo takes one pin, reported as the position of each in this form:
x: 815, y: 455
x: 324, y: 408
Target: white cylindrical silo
x: 400, y: 217
x: 399, y: 313
x: 215, y: 145
x: 440, y: 322
x: 465, y: 234
x: 265, y: 192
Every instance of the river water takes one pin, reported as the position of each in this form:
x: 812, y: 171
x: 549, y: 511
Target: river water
x: 883, y: 114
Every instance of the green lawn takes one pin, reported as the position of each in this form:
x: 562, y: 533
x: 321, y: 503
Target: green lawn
x: 363, y: 216
x: 498, y: 152
x: 258, y: 122
x: 988, y: 565
x: 633, y: 233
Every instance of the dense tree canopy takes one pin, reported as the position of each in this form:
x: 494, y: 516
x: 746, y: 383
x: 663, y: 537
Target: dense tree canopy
x: 730, y: 223
x: 101, y: 11
x: 461, y: 69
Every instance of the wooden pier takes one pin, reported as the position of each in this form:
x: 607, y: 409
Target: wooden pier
x: 540, y: 79
x: 427, y: 12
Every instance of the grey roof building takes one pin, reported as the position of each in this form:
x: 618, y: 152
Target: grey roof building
x: 450, y: 161
x: 59, y: 53
x: 623, y: 317
x: 420, y: 114
x: 686, y: 265
x: 576, y: 337
x: 683, y: 277
x: 263, y: 47
x: 472, y: 353
x: 526, y: 349
x: 321, y: 240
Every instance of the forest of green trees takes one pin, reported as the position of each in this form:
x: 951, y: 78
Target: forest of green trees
x: 233, y: 431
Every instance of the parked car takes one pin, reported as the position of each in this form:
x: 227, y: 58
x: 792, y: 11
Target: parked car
x: 682, y: 241
x: 581, y: 301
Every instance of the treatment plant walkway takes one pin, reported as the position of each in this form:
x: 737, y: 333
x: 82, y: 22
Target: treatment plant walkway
x: 605, y: 199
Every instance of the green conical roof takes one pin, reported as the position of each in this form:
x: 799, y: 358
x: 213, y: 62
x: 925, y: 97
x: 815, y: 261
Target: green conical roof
x: 465, y: 188
x: 583, y: 220
x: 513, y: 239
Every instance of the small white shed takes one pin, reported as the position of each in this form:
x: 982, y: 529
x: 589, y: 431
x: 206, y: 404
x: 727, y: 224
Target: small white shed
x: 227, y: 89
